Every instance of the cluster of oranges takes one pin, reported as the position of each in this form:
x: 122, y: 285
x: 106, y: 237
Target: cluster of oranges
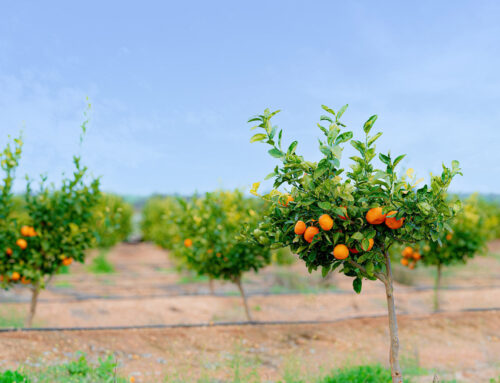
x: 410, y: 257
x: 67, y: 261
x: 376, y: 217
x: 26, y: 231
x: 341, y: 251
x: 15, y: 277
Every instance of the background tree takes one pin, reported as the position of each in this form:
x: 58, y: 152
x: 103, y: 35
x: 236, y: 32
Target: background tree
x: 348, y: 220
x: 212, y: 244
x: 113, y: 220
x: 467, y: 238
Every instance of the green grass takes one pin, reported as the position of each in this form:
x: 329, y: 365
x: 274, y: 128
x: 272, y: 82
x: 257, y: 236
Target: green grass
x: 63, y: 284
x: 100, y: 264
x: 79, y: 370
x: 11, y: 317
x: 192, y: 278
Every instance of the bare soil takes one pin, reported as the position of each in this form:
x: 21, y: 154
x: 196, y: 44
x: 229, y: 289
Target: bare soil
x: 146, y: 289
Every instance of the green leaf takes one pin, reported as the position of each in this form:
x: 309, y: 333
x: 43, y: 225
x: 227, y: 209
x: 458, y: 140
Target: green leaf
x: 370, y: 268
x: 291, y: 148
x: 357, y: 236
x: 326, y: 118
x: 328, y: 109
x: 385, y: 159
x: 341, y: 111
x: 398, y: 159
x: 324, y: 271
x: 368, y: 124
x: 276, y: 153
x: 324, y: 205
x: 365, y: 243
x: 374, y: 138
x: 258, y: 137
x: 357, y: 284
x: 344, y: 137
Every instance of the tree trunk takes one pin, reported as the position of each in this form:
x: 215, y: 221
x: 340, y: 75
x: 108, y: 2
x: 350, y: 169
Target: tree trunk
x: 35, y: 291
x: 211, y: 286
x: 437, y: 286
x: 397, y: 376
x: 237, y: 281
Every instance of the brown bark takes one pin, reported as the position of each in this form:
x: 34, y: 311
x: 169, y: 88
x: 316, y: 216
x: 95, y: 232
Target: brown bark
x: 35, y: 291
x: 437, y: 287
x: 211, y: 286
x: 237, y: 281
x: 397, y: 376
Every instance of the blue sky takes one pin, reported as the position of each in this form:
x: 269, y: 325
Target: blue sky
x: 172, y: 85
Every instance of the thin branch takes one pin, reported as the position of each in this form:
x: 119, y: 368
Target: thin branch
x: 379, y: 276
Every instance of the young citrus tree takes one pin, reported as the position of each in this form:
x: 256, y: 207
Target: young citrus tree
x: 466, y: 239
x: 158, y: 221
x: 348, y: 220
x: 211, y: 229
x: 113, y: 220
x: 10, y: 267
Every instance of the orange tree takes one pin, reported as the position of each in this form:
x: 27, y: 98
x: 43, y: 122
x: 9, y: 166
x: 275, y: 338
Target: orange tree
x: 347, y: 220
x: 54, y: 230
x: 467, y: 238
x: 10, y: 267
x: 212, y: 243
x: 159, y: 215
x: 113, y: 220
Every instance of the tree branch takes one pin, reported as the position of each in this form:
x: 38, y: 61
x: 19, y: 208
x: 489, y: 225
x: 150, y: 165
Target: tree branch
x: 379, y: 276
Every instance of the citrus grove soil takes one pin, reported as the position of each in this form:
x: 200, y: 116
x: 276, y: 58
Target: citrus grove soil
x: 147, y: 290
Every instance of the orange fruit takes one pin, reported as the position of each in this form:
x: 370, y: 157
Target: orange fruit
x: 371, y: 242
x: 405, y: 261
x: 289, y: 199
x: 25, y: 281
x: 411, y: 266
x: 416, y: 256
x: 218, y: 255
x: 310, y: 232
x: 392, y: 222
x: 346, y: 216
x: 8, y: 251
x: 32, y: 231
x: 340, y: 252
x: 26, y: 231
x: 21, y: 242
x: 326, y: 222
x: 407, y: 252
x: 67, y: 261
x: 15, y: 276
x: 188, y: 242
x: 132, y: 379
x: 449, y: 236
x: 210, y: 251
x: 374, y: 216
x: 300, y: 227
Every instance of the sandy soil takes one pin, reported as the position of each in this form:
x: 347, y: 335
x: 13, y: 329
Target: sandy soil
x: 461, y: 346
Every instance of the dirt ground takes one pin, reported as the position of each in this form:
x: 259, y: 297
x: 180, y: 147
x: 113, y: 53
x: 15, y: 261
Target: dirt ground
x: 146, y: 289
x: 461, y: 346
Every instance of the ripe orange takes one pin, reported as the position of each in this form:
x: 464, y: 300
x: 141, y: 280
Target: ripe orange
x: 8, y: 251
x: 300, y: 227
x: 218, y: 255
x: 340, y: 252
x: 25, y: 281
x: 15, y: 276
x: 416, y: 256
x: 405, y: 261
x: 310, y: 232
x: 289, y: 199
x: 449, y: 236
x: 21, y: 242
x: 392, y: 222
x: 407, y: 252
x: 374, y: 216
x: 411, y: 266
x: 32, y: 231
x: 326, y: 222
x: 188, y: 242
x: 26, y: 231
x: 67, y: 261
x: 210, y: 251
x: 370, y: 246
